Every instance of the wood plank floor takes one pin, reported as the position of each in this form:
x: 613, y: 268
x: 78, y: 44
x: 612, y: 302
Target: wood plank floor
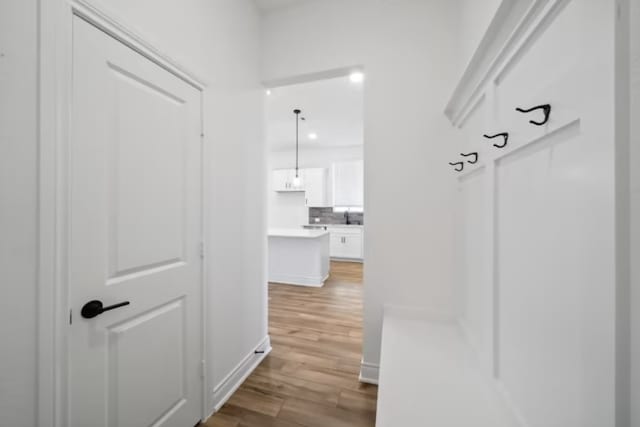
x: 311, y: 377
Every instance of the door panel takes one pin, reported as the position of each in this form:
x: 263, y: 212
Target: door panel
x: 135, y: 230
x: 148, y: 176
x: 147, y: 340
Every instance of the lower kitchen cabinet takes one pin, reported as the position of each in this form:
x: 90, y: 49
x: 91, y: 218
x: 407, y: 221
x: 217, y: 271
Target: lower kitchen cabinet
x: 346, y: 243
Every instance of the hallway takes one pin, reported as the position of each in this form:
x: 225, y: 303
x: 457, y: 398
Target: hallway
x: 311, y: 377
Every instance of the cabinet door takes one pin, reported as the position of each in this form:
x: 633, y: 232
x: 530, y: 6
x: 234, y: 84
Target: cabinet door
x: 337, y: 246
x: 346, y: 245
x: 353, y: 246
x: 315, y: 185
x: 281, y: 180
x: 348, y: 178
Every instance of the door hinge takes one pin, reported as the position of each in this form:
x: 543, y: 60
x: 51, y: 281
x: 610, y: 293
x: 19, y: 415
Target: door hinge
x: 71, y: 317
x: 202, y: 250
x: 203, y: 368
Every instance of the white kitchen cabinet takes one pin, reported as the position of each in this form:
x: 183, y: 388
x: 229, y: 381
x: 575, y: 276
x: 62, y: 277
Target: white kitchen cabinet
x: 348, y: 184
x: 346, y: 243
x: 316, y: 186
x: 283, y: 180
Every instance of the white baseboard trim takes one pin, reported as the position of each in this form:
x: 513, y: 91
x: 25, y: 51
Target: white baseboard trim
x: 354, y: 260
x: 369, y: 373
x: 314, y: 282
x: 225, y: 389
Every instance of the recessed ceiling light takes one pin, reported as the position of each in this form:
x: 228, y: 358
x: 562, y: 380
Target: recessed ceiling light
x: 313, y: 136
x: 356, y: 77
x: 268, y: 91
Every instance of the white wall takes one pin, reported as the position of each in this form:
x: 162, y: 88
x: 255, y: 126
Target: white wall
x: 408, y: 53
x: 288, y: 209
x: 218, y: 41
x: 18, y: 180
x: 635, y: 210
x: 475, y: 17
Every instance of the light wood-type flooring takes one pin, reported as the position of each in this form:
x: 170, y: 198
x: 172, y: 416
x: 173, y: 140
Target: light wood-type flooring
x: 310, y: 379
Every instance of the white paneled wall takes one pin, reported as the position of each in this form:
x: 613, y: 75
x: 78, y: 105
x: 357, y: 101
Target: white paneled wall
x: 536, y: 218
x: 474, y: 234
x: 476, y: 307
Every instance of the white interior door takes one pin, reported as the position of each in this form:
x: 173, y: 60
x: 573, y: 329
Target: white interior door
x: 135, y: 230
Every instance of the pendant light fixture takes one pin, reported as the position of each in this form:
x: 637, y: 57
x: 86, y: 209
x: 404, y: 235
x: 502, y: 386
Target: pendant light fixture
x: 297, y: 181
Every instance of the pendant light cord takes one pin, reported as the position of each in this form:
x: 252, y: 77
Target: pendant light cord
x: 297, y: 113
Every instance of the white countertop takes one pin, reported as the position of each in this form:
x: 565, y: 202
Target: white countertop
x: 298, y: 233
x: 334, y: 225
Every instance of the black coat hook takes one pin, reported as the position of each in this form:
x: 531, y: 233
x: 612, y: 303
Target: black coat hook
x: 505, y: 135
x: 458, y: 164
x: 475, y: 157
x: 546, y: 108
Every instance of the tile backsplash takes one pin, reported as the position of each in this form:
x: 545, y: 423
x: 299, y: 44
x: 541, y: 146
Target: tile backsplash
x: 328, y: 216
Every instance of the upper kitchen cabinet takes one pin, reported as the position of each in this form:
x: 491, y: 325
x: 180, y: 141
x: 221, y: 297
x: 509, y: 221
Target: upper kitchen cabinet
x: 283, y: 180
x: 317, y: 188
x: 348, y: 184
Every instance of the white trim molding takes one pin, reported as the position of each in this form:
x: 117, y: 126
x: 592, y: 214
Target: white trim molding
x: 516, y: 25
x: 369, y: 373
x: 234, y: 379
x: 310, y: 281
x: 569, y: 125
x: 115, y: 26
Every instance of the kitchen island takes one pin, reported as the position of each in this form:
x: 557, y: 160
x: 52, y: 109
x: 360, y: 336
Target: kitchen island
x: 298, y: 256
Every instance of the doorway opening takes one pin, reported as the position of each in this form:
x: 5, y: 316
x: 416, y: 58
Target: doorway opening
x: 316, y: 235
x: 315, y: 140
x: 316, y: 225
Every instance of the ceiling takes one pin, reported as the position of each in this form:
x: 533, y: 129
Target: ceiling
x: 333, y: 110
x: 269, y: 5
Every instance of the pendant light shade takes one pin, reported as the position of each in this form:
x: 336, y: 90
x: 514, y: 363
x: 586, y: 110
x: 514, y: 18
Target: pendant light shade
x: 296, y: 180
